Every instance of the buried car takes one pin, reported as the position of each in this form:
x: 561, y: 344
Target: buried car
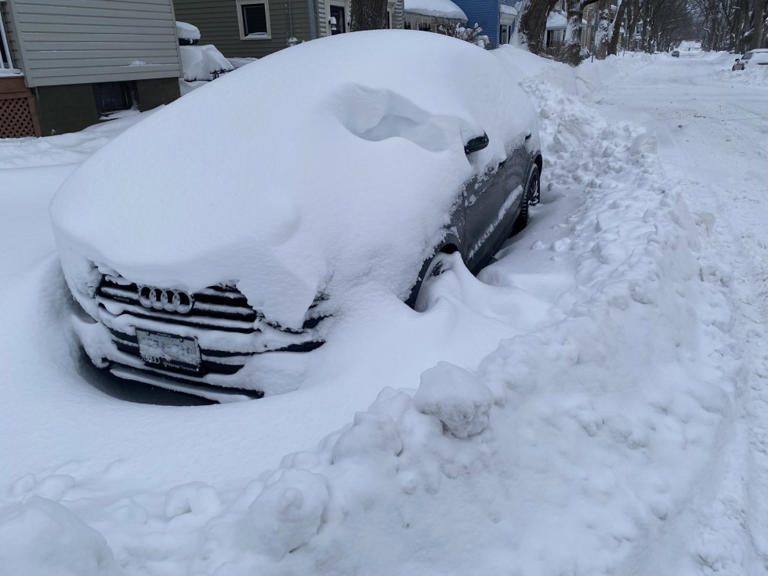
x: 211, y: 245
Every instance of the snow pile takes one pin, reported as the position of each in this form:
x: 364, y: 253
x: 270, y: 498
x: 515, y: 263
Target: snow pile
x: 570, y: 449
x: 188, y: 33
x: 617, y: 431
x: 203, y: 63
x: 436, y: 8
x: 44, y: 538
x: 752, y: 75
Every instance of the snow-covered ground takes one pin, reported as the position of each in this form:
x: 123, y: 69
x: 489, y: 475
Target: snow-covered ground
x: 594, y: 403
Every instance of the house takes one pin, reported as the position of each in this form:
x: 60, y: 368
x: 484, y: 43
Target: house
x: 497, y: 18
x: 557, y: 22
x: 256, y: 28
x: 556, y: 25
x: 431, y: 15
x: 66, y: 63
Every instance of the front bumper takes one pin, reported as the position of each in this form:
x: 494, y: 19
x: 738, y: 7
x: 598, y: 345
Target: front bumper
x: 241, y: 354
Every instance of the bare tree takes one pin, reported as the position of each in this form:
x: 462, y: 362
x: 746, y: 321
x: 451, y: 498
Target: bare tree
x: 604, y: 30
x: 615, y: 29
x: 570, y: 53
x: 533, y: 23
x: 735, y: 25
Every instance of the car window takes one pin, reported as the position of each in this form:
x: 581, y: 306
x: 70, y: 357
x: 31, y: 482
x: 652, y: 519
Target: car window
x: 747, y: 56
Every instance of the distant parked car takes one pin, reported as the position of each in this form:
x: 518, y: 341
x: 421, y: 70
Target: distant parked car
x: 675, y: 53
x: 757, y: 57
x: 211, y: 246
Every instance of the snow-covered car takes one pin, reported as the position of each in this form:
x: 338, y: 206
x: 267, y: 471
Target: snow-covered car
x: 755, y: 57
x: 215, y: 243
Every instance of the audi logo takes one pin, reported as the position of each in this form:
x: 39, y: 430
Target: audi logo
x: 163, y: 299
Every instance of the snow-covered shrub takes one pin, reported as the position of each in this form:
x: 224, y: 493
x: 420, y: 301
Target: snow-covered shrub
x: 473, y: 34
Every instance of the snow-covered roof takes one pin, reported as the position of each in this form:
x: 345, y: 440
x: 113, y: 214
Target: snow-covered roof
x: 436, y: 8
x: 506, y: 9
x: 556, y: 21
x: 187, y: 31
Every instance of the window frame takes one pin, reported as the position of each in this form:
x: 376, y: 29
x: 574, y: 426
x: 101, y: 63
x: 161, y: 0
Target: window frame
x: 6, y: 60
x: 241, y: 24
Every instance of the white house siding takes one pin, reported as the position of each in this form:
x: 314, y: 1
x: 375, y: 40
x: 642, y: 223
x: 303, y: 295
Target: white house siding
x: 86, y: 41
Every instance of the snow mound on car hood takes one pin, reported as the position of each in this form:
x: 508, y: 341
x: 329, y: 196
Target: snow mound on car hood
x: 324, y: 164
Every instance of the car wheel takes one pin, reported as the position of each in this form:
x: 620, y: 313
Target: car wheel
x: 436, y: 267
x: 531, y: 191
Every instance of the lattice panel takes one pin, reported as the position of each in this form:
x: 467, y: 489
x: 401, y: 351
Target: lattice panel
x: 16, y: 117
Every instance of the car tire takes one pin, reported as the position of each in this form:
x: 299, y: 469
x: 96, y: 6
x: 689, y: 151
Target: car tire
x: 531, y: 190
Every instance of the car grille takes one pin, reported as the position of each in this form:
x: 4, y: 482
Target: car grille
x: 221, y: 308
x: 216, y: 308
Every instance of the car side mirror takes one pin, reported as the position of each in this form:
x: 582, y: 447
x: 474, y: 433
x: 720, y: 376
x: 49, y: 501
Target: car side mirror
x: 476, y: 144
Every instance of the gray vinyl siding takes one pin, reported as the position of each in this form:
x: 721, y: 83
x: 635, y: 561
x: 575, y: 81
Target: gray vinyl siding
x: 87, y: 41
x: 11, y: 36
x: 322, y: 18
x: 398, y: 17
x: 217, y: 21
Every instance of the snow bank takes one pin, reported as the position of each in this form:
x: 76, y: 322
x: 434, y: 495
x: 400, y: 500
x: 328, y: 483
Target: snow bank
x: 201, y: 63
x: 436, y: 8
x: 44, y: 538
x: 609, y: 414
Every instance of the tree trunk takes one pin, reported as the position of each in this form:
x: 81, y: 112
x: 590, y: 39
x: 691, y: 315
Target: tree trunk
x: 758, y: 38
x: 613, y: 42
x: 570, y: 53
x: 369, y: 14
x: 533, y: 23
x: 603, y: 34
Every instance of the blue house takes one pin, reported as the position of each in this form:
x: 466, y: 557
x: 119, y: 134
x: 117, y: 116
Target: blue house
x: 498, y: 18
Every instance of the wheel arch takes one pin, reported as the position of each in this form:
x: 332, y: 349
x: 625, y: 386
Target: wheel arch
x: 448, y: 245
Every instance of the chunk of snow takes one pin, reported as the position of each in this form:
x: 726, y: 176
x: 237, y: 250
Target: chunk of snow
x: 289, y: 512
x: 187, y: 31
x: 456, y: 397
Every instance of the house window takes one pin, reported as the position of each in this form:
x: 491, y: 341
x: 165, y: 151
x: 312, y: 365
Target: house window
x: 112, y: 96
x: 253, y: 18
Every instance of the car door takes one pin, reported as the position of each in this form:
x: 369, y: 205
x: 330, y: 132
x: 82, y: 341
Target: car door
x: 492, y: 202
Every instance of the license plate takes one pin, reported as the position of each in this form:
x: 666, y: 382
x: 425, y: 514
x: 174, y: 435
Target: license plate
x: 168, y: 350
